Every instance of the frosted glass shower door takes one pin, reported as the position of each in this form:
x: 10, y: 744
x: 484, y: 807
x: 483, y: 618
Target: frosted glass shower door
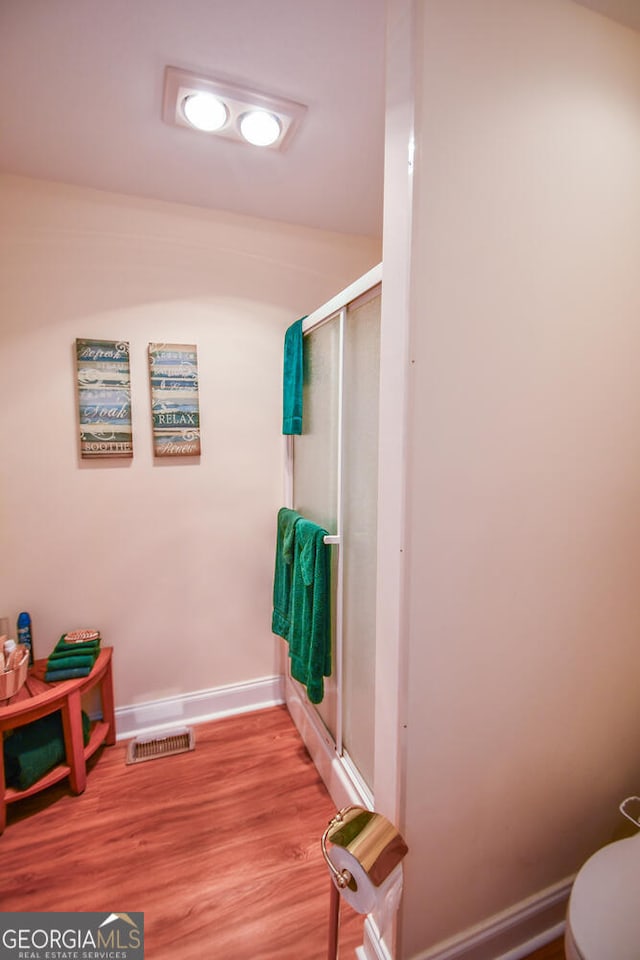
x: 335, y: 483
x: 315, y: 465
x: 360, y: 515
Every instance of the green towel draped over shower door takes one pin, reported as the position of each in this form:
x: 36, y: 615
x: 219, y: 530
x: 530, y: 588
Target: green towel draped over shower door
x: 310, y: 631
x: 292, y: 379
x: 302, y: 599
x: 285, y: 534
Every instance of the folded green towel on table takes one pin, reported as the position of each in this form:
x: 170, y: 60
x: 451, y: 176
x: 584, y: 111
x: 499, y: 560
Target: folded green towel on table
x: 88, y: 646
x: 69, y: 661
x: 65, y: 661
x: 32, y: 750
x: 74, y: 673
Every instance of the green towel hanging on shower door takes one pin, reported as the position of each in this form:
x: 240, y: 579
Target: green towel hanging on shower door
x: 302, y: 599
x: 292, y: 379
x: 310, y: 609
x: 283, y: 573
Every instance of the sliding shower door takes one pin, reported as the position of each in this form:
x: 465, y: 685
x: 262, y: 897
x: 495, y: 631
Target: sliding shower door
x: 335, y: 484
x: 360, y: 513
x: 315, y: 466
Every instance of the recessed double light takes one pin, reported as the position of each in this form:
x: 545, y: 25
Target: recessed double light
x: 204, y: 111
x: 210, y: 114
x: 227, y: 110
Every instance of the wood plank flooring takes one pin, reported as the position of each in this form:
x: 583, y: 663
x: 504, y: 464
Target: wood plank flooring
x: 220, y: 848
x: 553, y: 951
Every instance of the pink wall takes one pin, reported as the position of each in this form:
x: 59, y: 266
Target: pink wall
x: 172, y: 561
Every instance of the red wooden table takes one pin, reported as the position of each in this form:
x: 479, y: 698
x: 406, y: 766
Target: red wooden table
x: 36, y: 699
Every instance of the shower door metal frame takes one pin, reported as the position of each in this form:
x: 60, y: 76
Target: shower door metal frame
x: 363, y: 289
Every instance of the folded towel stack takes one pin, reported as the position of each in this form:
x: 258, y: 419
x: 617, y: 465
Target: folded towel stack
x: 73, y: 656
x: 32, y: 750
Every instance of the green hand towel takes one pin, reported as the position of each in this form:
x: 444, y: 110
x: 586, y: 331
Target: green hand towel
x: 76, y: 649
x: 32, y: 750
x: 73, y: 673
x: 310, y: 612
x: 292, y: 379
x: 65, y: 662
x: 280, y: 619
x: 69, y: 651
x: 85, y: 645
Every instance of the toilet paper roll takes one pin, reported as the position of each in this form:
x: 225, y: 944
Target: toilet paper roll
x: 361, y: 893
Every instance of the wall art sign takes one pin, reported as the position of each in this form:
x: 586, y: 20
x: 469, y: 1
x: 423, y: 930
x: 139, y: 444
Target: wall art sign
x: 173, y: 372
x: 104, y: 398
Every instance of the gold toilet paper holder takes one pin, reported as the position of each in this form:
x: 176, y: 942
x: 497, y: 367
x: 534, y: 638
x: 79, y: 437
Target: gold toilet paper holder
x: 342, y: 877
x: 370, y: 838
x: 374, y: 845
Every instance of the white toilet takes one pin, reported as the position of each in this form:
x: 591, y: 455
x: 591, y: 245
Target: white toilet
x: 603, y: 920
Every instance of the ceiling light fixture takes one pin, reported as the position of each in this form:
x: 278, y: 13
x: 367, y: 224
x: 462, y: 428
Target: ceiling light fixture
x: 260, y: 127
x: 227, y: 110
x: 204, y: 111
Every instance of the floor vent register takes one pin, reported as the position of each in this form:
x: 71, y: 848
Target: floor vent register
x: 161, y: 745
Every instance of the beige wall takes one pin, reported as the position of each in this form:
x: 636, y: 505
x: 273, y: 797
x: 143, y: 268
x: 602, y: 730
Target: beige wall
x: 522, y: 613
x: 171, y: 560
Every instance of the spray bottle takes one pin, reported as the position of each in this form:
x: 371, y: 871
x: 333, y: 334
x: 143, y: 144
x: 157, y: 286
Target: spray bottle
x: 24, y: 633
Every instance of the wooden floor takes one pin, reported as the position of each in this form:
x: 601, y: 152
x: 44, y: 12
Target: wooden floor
x: 220, y: 848
x: 553, y: 951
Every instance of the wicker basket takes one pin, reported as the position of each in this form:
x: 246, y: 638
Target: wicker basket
x: 12, y: 680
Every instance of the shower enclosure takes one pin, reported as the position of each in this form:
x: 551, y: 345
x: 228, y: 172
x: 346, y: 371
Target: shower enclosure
x: 331, y: 478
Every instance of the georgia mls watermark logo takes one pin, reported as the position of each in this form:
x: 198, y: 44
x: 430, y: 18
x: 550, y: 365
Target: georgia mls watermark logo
x: 71, y: 936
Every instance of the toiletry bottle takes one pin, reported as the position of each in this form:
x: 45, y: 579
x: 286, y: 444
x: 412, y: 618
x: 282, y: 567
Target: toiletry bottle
x: 24, y: 634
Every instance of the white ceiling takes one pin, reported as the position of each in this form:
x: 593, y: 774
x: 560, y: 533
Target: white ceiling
x: 82, y: 85
x: 82, y: 102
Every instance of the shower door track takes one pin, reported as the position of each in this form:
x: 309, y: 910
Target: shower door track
x: 350, y: 785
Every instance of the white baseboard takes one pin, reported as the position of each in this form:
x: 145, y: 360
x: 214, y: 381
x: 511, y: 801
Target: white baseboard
x: 512, y: 934
x: 340, y: 777
x: 199, y: 707
x: 525, y: 949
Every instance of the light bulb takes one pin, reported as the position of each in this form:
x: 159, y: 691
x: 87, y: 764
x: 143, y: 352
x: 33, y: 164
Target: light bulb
x: 204, y: 111
x: 260, y: 128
